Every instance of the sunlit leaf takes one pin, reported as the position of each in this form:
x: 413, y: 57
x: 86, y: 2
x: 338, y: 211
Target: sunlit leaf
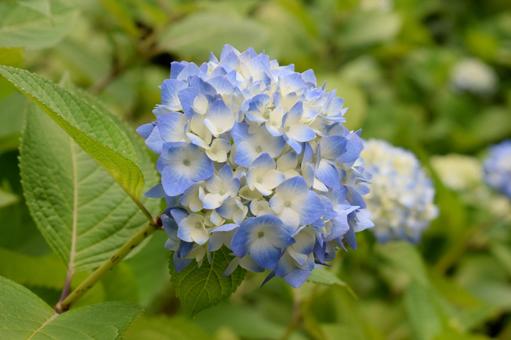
x: 95, y: 130
x: 81, y: 211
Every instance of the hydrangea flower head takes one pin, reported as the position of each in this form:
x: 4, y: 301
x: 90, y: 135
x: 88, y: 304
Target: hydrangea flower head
x: 497, y: 168
x: 401, y: 195
x: 254, y: 156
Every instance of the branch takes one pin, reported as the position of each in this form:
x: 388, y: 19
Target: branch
x: 96, y: 275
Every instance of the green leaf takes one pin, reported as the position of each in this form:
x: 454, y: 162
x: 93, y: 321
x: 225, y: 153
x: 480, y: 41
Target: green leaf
x: 357, y: 32
x: 245, y: 321
x: 98, y: 133
x: 26, y: 316
x: 423, y: 313
x: 35, y: 24
x: 162, y: 328
x: 201, y: 33
x: 325, y: 277
x: 83, y: 214
x: 199, y: 287
x: 406, y: 258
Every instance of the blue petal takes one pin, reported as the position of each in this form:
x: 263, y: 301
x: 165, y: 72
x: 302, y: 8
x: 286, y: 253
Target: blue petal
x: 313, y: 209
x: 328, y: 174
x: 332, y: 147
x: 353, y: 148
x: 155, y: 192
x: 154, y: 140
x: 145, y: 130
x: 172, y: 127
x: 169, y: 90
x: 245, y: 154
x: 177, y: 176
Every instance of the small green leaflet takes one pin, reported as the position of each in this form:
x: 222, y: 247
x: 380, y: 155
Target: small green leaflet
x: 80, y: 210
x: 322, y: 276
x: 199, y: 287
x: 98, y: 133
x: 25, y: 316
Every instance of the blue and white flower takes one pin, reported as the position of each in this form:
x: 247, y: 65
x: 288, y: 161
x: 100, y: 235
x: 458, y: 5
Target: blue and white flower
x: 497, y: 168
x: 253, y: 156
x: 401, y: 195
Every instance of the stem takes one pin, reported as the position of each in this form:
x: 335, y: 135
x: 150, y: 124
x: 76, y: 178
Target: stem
x: 67, y: 285
x: 296, y: 317
x: 94, y: 277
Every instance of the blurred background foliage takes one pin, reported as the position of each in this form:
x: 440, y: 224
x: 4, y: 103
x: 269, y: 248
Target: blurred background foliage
x: 433, y: 76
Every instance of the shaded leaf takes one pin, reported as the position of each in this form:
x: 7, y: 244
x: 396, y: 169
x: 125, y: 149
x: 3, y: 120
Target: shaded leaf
x: 199, y: 287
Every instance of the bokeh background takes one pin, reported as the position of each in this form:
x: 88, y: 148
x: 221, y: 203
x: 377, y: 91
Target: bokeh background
x: 432, y: 76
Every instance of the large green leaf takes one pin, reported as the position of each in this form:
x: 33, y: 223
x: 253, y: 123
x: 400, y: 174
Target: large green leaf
x: 199, y: 287
x: 199, y: 34
x: 98, y: 133
x: 26, y: 316
x: 34, y: 23
x: 81, y: 211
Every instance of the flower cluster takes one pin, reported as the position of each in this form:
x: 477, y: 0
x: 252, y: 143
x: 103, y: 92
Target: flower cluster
x: 254, y: 156
x: 401, y: 195
x: 497, y: 168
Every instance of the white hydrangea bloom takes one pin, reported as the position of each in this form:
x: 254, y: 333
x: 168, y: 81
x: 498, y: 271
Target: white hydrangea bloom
x: 401, y: 195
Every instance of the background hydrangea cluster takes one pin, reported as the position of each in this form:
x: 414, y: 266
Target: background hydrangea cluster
x: 254, y: 156
x: 401, y: 195
x: 497, y: 168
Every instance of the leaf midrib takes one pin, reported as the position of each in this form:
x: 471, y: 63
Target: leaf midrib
x: 74, y: 221
x: 44, y: 324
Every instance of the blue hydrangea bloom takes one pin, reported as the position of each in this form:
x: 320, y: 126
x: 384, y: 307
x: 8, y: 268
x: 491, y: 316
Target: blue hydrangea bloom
x: 254, y: 157
x: 401, y: 195
x: 497, y: 168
